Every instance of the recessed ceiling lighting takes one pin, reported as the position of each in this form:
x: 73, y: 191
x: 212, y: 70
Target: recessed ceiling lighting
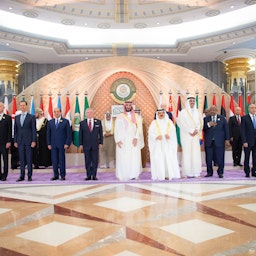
x: 7, y: 44
x: 10, y: 8
x: 232, y: 6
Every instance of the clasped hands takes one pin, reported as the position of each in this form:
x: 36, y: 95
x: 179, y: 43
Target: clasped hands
x: 160, y: 137
x: 194, y: 133
x: 134, y: 142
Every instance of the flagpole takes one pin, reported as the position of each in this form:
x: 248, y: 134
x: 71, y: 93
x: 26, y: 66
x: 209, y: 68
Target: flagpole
x: 160, y: 99
x: 23, y: 94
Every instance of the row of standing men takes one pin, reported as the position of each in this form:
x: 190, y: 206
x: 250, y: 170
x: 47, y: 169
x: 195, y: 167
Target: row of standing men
x: 129, y: 141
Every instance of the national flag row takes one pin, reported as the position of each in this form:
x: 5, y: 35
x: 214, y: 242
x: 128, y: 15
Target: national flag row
x: 67, y: 112
x: 49, y: 115
x: 214, y: 102
x: 205, y: 106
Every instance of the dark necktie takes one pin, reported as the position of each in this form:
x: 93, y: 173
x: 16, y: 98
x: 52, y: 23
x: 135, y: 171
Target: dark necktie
x: 90, y: 125
x: 238, y: 120
x: 57, y: 123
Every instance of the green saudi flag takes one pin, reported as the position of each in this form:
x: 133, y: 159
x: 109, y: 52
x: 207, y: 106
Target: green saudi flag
x: 77, y: 119
x: 197, y: 101
x: 86, y: 105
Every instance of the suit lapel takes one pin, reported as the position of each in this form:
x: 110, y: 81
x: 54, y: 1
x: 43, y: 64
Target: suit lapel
x: 250, y: 120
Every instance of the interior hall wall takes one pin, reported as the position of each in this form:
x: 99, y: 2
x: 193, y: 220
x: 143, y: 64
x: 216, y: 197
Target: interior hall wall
x: 31, y: 72
x: 92, y: 76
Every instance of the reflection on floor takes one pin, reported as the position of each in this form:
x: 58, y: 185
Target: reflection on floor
x: 192, y: 219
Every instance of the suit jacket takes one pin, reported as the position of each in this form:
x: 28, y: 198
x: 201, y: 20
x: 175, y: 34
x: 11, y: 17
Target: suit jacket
x: 90, y: 140
x: 60, y: 136
x: 6, y: 129
x: 247, y: 130
x: 234, y: 128
x: 27, y: 132
x: 220, y: 132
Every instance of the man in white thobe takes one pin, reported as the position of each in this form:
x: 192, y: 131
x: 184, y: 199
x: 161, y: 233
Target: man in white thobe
x: 108, y: 150
x: 190, y: 122
x: 128, y: 137
x: 162, y: 142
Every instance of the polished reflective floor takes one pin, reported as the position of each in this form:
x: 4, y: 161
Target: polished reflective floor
x: 192, y: 219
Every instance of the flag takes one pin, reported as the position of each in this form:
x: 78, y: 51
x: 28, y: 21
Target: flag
x: 214, y: 102
x: 177, y: 114
x: 231, y: 106
x: 204, y: 115
x: 86, y: 105
x: 50, y: 112
x: 59, y: 103
x: 14, y: 107
x: 197, y: 101
x: 6, y: 105
x: 240, y: 103
x: 41, y: 103
x: 77, y: 119
x: 223, y: 106
x: 205, y: 104
x: 32, y: 106
x: 14, y: 110
x: 67, y: 111
x: 247, y: 104
x: 170, y: 109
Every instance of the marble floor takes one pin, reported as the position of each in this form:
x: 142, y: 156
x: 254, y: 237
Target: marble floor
x: 190, y: 219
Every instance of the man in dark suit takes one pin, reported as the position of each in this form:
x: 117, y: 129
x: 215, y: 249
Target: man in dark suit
x: 216, y: 134
x: 235, y: 136
x: 248, y: 134
x: 25, y: 139
x: 58, y: 140
x: 91, y: 140
x: 5, y: 140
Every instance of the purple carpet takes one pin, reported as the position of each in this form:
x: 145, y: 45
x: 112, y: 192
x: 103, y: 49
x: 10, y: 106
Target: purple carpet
x: 105, y: 176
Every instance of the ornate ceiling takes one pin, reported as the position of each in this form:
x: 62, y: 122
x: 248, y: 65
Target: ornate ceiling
x: 127, y: 15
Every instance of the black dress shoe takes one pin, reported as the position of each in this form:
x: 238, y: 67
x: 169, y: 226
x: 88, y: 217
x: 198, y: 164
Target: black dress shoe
x: 88, y: 178
x: 247, y: 176
x: 220, y: 176
x: 19, y: 179
x: 208, y: 175
x: 254, y: 175
x: 54, y: 178
x: 29, y: 179
x: 95, y: 178
x: 235, y: 164
x: 240, y: 164
x: 3, y: 179
x: 63, y: 178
